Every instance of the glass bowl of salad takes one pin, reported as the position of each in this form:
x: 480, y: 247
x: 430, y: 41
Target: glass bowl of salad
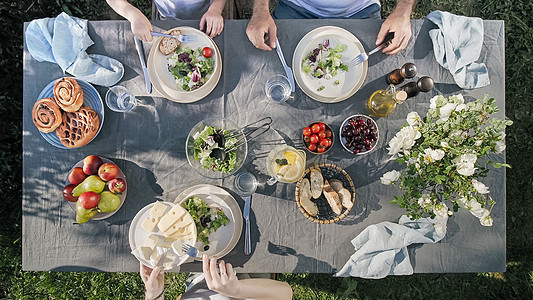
x: 216, y: 148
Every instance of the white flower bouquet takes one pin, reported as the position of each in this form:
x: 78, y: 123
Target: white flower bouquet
x: 443, y: 156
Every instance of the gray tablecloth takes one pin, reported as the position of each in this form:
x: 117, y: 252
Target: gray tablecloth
x: 148, y: 144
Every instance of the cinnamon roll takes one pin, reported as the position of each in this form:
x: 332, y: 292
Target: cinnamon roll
x: 68, y: 94
x: 46, y: 115
x: 78, y: 128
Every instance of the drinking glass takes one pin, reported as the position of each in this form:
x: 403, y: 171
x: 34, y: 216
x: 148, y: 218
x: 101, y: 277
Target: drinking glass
x: 278, y: 88
x: 120, y: 99
x: 245, y: 183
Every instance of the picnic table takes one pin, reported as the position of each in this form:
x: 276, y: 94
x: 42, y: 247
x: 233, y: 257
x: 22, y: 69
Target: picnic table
x: 148, y: 144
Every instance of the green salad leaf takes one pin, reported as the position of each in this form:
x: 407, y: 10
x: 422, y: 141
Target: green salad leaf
x: 206, y: 219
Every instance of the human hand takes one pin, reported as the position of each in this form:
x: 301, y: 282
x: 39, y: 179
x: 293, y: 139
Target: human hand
x: 141, y: 27
x: 213, y: 21
x: 260, y: 24
x: 154, y: 281
x: 399, y: 23
x: 226, y: 282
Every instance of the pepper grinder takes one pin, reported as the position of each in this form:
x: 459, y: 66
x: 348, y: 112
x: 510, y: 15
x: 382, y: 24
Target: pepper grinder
x: 424, y: 84
x: 397, y: 76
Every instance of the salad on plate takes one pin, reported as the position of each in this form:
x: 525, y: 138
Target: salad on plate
x: 191, y: 68
x: 324, y: 61
x: 207, y: 218
x: 204, y: 143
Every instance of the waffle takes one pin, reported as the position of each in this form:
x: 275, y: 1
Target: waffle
x: 46, y: 115
x: 68, y: 94
x: 78, y: 128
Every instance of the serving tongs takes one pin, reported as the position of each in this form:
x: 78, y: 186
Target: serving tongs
x: 247, y: 133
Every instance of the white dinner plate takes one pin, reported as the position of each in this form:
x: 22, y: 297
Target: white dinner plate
x: 226, y: 237
x: 349, y: 82
x: 138, y: 236
x: 164, y: 82
x: 91, y: 99
x: 122, y: 196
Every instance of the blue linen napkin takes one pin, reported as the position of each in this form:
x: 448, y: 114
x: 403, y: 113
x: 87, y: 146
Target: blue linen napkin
x: 457, y: 44
x: 381, y: 249
x: 63, y: 40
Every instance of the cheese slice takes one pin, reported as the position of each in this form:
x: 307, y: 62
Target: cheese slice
x: 149, y: 224
x: 177, y: 229
x: 171, y: 217
x: 158, y: 210
x: 146, y: 252
x: 186, y: 237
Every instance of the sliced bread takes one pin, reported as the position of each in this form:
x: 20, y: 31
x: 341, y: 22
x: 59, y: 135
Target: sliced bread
x: 168, y: 45
x: 305, y: 198
x: 317, y: 183
x: 344, y: 194
x: 333, y: 198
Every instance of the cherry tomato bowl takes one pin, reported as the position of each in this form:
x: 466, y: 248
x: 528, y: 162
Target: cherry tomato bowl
x: 318, y: 137
x: 359, y: 134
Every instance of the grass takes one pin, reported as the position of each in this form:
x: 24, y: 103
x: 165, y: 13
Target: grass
x: 516, y: 283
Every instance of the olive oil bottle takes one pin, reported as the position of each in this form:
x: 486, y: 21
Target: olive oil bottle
x: 383, y: 102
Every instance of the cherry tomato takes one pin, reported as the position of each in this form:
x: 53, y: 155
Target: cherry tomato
x: 207, y: 52
x: 324, y: 143
x: 306, y: 139
x: 322, y: 126
x: 328, y: 133
x: 329, y: 141
x: 320, y: 149
x: 314, y: 139
x: 315, y: 128
x: 307, y: 131
x: 312, y: 147
x: 322, y: 134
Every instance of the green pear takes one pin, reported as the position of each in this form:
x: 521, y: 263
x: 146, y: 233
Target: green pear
x: 83, y: 215
x: 92, y: 183
x: 108, y: 202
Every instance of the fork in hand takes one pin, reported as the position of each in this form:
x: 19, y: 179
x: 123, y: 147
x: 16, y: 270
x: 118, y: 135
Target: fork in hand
x: 182, y: 38
x: 364, y: 56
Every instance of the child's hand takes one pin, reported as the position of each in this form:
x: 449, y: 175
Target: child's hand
x: 212, y: 21
x: 141, y: 27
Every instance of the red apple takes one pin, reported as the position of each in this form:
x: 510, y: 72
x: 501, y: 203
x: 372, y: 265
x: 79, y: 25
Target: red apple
x: 116, y: 185
x: 108, y: 171
x: 91, y: 164
x: 67, y: 193
x: 89, y: 200
x: 76, y: 176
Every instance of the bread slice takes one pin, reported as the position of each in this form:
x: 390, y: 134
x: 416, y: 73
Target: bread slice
x: 344, y: 194
x: 317, y: 182
x: 168, y: 45
x: 333, y: 198
x: 305, y: 198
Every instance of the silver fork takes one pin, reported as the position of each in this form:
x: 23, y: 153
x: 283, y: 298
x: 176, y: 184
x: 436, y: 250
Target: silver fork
x: 364, y: 56
x: 182, y: 38
x: 190, y: 250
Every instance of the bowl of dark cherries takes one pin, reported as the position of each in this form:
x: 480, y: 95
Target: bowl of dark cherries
x: 359, y: 134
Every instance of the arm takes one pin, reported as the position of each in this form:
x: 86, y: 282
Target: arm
x: 226, y: 283
x: 140, y: 26
x: 260, y: 24
x: 399, y: 22
x: 212, y: 19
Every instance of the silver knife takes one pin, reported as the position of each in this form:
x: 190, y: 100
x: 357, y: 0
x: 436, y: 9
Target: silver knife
x: 246, y: 215
x: 288, y: 70
x: 140, y: 50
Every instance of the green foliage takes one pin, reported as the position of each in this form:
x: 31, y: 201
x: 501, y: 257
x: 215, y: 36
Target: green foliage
x: 516, y: 283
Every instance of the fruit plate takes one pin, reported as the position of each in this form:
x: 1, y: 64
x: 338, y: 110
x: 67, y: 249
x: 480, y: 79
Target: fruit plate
x: 164, y: 82
x: 325, y: 214
x: 138, y: 236
x: 226, y: 237
x: 350, y: 81
x: 91, y: 99
x: 122, y: 196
